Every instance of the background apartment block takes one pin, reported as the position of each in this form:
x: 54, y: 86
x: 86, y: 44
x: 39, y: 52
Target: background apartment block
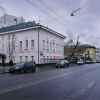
x: 8, y: 20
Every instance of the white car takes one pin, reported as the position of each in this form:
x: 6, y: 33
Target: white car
x: 94, y: 61
x: 80, y: 62
x: 89, y: 61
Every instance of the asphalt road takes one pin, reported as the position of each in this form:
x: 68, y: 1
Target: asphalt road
x: 74, y: 83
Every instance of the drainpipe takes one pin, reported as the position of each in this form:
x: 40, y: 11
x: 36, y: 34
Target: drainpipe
x: 38, y: 44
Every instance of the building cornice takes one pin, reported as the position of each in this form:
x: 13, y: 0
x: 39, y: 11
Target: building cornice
x: 56, y: 33
x: 19, y: 30
x: 35, y: 27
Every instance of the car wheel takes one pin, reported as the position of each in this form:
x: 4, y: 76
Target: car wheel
x: 11, y: 72
x: 24, y: 71
x: 21, y: 71
x: 64, y: 66
x: 33, y: 69
x: 67, y: 66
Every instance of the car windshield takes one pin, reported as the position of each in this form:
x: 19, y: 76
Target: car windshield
x: 63, y: 61
x: 19, y: 64
x: 79, y: 60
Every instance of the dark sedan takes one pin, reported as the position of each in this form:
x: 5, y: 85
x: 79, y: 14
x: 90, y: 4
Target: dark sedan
x: 62, y: 63
x: 23, y: 67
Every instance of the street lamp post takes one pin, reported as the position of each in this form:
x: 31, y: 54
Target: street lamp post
x: 72, y: 14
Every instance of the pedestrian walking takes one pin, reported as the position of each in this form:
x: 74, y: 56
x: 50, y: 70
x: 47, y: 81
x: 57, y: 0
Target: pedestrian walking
x: 11, y: 62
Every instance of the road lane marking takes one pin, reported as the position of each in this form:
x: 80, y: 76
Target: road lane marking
x: 90, y: 85
x: 36, y: 82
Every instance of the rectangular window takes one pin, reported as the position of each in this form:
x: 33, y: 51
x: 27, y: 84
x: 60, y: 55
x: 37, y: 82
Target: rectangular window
x: 2, y: 37
x: 62, y: 48
x: 26, y: 44
x: 26, y: 58
x: 47, y: 57
x: 32, y: 58
x: 54, y: 46
x: 43, y: 44
x: 13, y: 46
x: 20, y: 58
x: 13, y: 58
x: 43, y: 59
x: 47, y: 46
x: 2, y: 47
x: 21, y: 44
x: 59, y: 48
x: 8, y: 37
x: 50, y: 46
x: 9, y: 47
x: 32, y: 43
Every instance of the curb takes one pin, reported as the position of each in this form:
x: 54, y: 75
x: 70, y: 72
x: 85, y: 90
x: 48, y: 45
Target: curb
x: 3, y: 72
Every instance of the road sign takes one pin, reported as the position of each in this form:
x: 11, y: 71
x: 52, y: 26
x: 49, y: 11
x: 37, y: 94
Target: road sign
x: 41, y: 54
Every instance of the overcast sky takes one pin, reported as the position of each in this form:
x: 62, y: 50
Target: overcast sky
x: 56, y: 15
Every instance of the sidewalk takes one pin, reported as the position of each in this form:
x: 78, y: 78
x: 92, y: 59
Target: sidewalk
x: 4, y: 69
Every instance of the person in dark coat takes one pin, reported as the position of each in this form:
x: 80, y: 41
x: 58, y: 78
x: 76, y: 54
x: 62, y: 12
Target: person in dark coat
x: 35, y: 63
x: 11, y: 62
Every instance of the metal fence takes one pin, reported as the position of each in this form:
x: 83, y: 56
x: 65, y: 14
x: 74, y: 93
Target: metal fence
x: 47, y: 60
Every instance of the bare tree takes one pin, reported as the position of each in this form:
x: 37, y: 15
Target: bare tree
x: 12, y: 45
x: 73, y: 44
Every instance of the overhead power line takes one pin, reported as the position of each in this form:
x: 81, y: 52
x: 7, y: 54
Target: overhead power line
x: 43, y: 11
x: 67, y: 4
x: 64, y: 21
x: 61, y: 18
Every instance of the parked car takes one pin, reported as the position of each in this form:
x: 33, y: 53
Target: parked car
x: 94, y: 61
x: 97, y: 61
x: 23, y: 67
x: 62, y: 63
x: 80, y: 62
x: 89, y: 62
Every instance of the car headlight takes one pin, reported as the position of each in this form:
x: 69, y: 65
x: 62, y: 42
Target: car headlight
x: 16, y: 67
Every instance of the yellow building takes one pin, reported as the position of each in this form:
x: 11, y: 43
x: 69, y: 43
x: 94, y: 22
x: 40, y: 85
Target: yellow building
x: 86, y: 51
x: 90, y: 51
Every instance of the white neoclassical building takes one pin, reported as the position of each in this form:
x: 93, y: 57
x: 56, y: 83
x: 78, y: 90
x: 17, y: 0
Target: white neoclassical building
x: 30, y: 41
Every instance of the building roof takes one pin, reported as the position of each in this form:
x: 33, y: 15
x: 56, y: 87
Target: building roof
x: 87, y: 46
x: 83, y: 46
x: 27, y: 25
x: 18, y: 26
x: 75, y: 54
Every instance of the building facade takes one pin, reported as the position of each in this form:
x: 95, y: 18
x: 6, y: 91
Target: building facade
x: 87, y: 51
x: 98, y: 54
x: 30, y: 41
x: 91, y: 52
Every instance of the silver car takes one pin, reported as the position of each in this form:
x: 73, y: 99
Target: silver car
x: 62, y: 63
